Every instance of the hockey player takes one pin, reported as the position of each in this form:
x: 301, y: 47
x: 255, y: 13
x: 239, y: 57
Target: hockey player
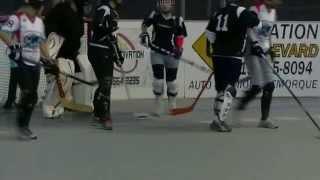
x: 65, y: 20
x: 168, y: 34
x: 28, y: 29
x: 227, y: 31
x: 103, y: 53
x: 258, y: 68
x: 12, y: 90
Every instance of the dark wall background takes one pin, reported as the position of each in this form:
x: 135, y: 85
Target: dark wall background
x: 200, y: 9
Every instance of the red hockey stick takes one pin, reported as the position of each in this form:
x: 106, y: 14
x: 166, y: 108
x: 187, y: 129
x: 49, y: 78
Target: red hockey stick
x: 184, y: 110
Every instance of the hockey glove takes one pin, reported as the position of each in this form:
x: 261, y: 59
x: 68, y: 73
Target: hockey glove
x: 177, y: 52
x: 144, y: 39
x: 117, y: 55
x: 15, y: 52
x: 257, y: 50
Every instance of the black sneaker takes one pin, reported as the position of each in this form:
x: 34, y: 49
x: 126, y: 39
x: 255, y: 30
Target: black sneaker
x: 220, y: 126
x: 95, y: 121
x: 107, y: 124
x: 26, y: 134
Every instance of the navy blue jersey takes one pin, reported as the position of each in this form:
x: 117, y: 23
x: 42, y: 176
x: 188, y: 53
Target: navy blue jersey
x: 164, y: 30
x: 230, y: 26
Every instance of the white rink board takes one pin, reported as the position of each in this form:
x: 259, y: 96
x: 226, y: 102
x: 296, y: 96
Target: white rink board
x: 302, y: 73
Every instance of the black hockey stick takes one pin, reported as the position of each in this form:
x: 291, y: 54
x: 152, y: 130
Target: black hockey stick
x: 292, y: 94
x: 187, y: 61
x: 63, y: 73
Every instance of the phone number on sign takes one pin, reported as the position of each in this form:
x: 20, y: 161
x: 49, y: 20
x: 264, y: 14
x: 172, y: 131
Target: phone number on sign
x: 293, y: 67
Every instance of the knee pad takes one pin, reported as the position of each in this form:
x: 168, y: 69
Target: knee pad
x: 158, y: 86
x: 269, y: 87
x: 158, y: 71
x: 172, y: 88
x: 171, y: 74
x: 231, y: 90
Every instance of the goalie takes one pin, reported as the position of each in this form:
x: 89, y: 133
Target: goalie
x: 64, y: 25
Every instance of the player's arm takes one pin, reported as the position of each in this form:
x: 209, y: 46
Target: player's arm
x: 211, y: 30
x: 179, y: 36
x: 147, y: 22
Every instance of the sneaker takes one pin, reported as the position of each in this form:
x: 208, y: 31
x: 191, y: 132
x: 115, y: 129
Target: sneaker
x: 158, y: 106
x: 107, y: 124
x: 220, y: 126
x: 267, y: 124
x: 172, y: 102
x: 95, y: 121
x: 26, y: 134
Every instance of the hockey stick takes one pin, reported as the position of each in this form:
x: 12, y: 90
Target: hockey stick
x: 184, y: 110
x: 92, y: 83
x: 187, y: 61
x: 293, y: 95
x: 68, y: 104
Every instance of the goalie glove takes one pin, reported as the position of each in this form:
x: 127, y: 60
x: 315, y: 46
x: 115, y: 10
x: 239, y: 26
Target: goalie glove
x: 257, y: 50
x: 15, y: 52
x: 144, y: 39
x: 177, y: 52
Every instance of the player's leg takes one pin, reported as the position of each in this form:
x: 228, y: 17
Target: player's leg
x: 267, y: 93
x: 225, y: 82
x: 103, y: 67
x: 28, y: 80
x: 253, y: 65
x: 171, y: 66
x: 12, y: 91
x: 157, y: 62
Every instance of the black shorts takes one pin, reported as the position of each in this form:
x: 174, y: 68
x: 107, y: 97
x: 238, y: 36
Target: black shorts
x: 227, y: 72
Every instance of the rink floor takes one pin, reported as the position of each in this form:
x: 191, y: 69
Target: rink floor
x: 167, y: 148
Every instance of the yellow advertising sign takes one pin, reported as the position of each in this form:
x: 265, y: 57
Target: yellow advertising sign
x: 203, y: 48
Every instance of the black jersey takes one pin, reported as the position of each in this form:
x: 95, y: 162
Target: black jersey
x: 164, y: 30
x: 103, y: 25
x: 67, y: 23
x: 230, y: 26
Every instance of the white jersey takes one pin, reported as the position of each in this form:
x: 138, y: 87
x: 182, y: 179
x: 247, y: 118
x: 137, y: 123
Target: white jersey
x: 268, y: 18
x: 29, y: 33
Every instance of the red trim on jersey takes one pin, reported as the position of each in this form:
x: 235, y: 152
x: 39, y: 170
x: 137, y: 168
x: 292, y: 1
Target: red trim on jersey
x: 259, y: 4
